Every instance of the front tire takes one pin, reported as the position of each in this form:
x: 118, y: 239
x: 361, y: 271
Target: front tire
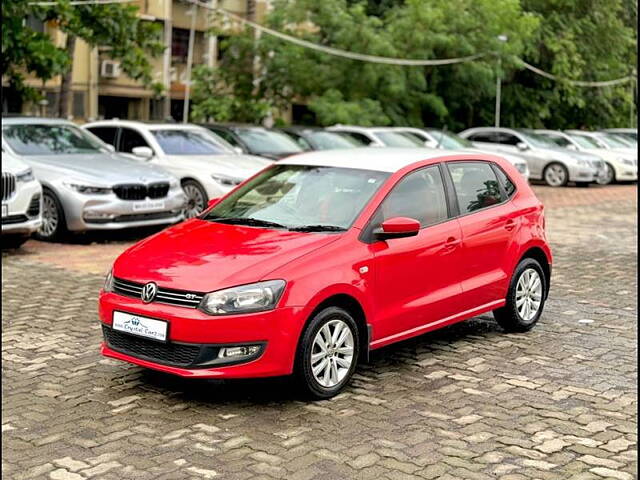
x: 328, y: 353
x: 54, y: 224
x: 196, y: 198
x: 525, y: 299
x: 556, y: 175
x: 609, y: 175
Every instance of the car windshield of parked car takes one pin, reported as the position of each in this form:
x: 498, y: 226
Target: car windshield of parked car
x: 613, y: 142
x: 329, y: 141
x: 397, y: 139
x: 264, y: 141
x: 297, y: 197
x: 50, y: 139
x: 450, y: 141
x: 189, y: 142
x: 585, y: 142
x: 537, y: 140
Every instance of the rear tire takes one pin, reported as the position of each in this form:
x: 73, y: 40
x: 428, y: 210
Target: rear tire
x: 54, y: 223
x: 525, y: 299
x: 556, y: 175
x: 327, y: 353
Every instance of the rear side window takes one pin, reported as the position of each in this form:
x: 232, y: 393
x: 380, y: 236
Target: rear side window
x: 106, y: 134
x: 476, y: 185
x: 420, y: 195
x: 507, y: 184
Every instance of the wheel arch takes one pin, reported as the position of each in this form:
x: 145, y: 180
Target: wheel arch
x: 538, y: 254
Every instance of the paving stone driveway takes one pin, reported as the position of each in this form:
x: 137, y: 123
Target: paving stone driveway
x: 466, y: 402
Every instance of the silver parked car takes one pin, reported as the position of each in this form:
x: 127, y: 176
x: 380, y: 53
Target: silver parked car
x: 547, y: 161
x: 86, y: 186
x: 434, y: 138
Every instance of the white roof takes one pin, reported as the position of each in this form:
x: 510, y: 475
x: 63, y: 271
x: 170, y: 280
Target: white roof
x: 144, y: 125
x: 383, y: 159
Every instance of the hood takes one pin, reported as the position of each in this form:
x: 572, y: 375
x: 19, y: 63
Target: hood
x: 100, y: 168
x: 11, y: 164
x: 202, y: 256
x: 234, y: 165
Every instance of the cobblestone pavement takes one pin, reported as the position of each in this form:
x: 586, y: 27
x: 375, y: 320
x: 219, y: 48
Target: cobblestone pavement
x: 466, y: 402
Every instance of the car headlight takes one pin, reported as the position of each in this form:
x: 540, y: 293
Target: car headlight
x: 583, y: 163
x: 226, y: 180
x: 256, y: 297
x: 26, y: 176
x: 627, y: 161
x: 88, y: 189
x: 108, y: 282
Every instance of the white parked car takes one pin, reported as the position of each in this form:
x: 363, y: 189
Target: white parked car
x: 618, y: 166
x: 207, y: 166
x: 628, y: 134
x: 608, y: 142
x: 376, y: 136
x: 21, y: 201
x: 434, y: 138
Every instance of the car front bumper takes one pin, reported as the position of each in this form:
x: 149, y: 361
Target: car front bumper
x: 23, y: 210
x: 190, y: 330
x: 108, y: 212
x: 581, y: 173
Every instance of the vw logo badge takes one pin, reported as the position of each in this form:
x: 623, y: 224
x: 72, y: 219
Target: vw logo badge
x: 149, y: 292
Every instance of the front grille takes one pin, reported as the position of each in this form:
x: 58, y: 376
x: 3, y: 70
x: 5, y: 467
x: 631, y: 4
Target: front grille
x: 11, y: 219
x: 169, y: 296
x: 34, y: 206
x: 139, y: 191
x: 167, y: 353
x: 8, y: 185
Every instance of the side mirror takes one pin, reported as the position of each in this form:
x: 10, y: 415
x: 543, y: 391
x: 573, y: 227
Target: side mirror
x: 212, y: 202
x: 397, y: 227
x: 142, y: 152
x: 110, y: 147
x: 238, y: 150
x: 522, y: 146
x: 571, y: 146
x: 430, y: 144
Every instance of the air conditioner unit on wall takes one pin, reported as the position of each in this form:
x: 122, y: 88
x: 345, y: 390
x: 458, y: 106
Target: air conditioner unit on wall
x: 110, y: 69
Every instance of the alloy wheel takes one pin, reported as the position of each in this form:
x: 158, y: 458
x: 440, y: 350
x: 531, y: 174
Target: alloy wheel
x: 332, y: 353
x: 195, y: 200
x: 528, y: 294
x: 555, y: 175
x: 607, y: 177
x: 50, y: 217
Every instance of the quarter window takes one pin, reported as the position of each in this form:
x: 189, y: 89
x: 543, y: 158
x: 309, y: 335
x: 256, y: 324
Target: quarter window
x: 507, y: 184
x: 420, y: 195
x: 476, y: 185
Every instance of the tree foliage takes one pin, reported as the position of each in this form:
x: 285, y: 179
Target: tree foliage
x: 576, y: 39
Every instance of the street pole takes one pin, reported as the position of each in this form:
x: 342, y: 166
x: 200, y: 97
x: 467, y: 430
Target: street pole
x: 187, y: 89
x: 212, y: 48
x: 498, y: 91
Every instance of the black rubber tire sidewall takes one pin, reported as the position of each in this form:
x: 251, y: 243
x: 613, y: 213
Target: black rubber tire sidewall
x: 303, y: 361
x: 508, y: 317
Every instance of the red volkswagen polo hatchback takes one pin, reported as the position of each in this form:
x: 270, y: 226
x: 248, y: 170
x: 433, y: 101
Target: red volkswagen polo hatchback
x: 319, y: 259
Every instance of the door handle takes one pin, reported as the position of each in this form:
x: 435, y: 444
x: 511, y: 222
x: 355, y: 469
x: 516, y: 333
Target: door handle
x: 510, y: 224
x: 451, y: 243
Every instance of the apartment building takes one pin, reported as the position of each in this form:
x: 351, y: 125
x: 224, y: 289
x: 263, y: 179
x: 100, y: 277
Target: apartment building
x: 100, y: 90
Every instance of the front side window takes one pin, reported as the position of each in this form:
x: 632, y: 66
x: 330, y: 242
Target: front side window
x: 50, y: 139
x: 450, y: 141
x: 130, y: 139
x: 507, y: 139
x: 188, y: 142
x: 264, y: 141
x: 396, y: 139
x: 476, y: 185
x: 487, y: 137
x: 330, y: 140
x: 106, y: 134
x: 585, y: 142
x: 299, y: 197
x: 356, y: 137
x: 420, y: 195
x: 557, y: 139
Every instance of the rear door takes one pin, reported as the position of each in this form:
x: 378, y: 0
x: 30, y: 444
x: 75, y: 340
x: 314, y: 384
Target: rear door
x: 489, y: 224
x: 417, y: 279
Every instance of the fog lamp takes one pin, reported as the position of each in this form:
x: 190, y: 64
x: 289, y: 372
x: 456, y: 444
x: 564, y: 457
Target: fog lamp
x: 238, y: 352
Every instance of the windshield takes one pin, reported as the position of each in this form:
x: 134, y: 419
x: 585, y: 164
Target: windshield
x: 190, y: 142
x: 536, y: 139
x: 50, y: 139
x: 298, y: 196
x: 559, y: 141
x: 613, y: 142
x: 265, y: 141
x: 397, y: 139
x: 449, y: 141
x: 585, y: 142
x: 329, y: 141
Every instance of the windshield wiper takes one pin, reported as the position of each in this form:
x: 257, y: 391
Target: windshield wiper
x: 318, y: 228
x: 251, y: 222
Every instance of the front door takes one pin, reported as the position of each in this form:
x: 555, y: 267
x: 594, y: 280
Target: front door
x: 416, y: 278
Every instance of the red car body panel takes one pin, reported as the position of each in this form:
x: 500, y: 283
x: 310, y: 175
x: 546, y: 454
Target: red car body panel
x: 405, y: 287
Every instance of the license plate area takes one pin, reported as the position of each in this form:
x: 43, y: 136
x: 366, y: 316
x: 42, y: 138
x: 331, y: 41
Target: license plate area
x: 140, y: 326
x: 148, y: 206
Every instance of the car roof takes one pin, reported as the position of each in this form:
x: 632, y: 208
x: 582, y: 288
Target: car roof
x: 30, y: 120
x: 143, y: 124
x: 383, y: 159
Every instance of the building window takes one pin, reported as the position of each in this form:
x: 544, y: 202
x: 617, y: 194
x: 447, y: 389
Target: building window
x: 156, y: 109
x: 35, y: 24
x: 78, y: 104
x: 179, y: 44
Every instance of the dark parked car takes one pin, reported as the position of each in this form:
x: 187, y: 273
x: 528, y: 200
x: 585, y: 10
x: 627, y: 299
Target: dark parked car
x: 257, y: 140
x: 316, y: 138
